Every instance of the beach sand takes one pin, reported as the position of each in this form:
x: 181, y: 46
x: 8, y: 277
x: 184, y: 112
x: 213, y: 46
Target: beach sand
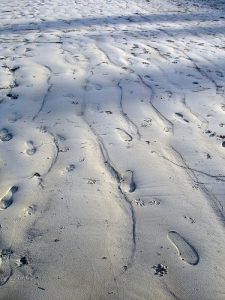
x: 112, y: 148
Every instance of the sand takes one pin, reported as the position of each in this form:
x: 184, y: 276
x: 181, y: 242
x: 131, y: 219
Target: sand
x: 112, y: 148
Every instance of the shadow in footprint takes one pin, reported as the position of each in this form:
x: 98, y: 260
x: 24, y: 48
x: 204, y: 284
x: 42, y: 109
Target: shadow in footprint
x: 180, y: 115
x: 5, y: 135
x: 125, y: 136
x: 7, y: 200
x: 127, y: 183
x: 31, y: 149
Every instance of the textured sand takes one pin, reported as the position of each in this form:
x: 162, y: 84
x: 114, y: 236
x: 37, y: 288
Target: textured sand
x: 112, y: 148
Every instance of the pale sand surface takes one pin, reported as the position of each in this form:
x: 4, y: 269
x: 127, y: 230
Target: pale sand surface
x: 112, y: 150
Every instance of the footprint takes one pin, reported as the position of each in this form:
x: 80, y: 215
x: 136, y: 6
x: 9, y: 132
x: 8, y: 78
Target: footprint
x: 160, y: 269
x: 5, y: 268
x: 5, y: 135
x: 70, y: 168
x: 223, y: 107
x: 7, y: 199
x: 14, y: 69
x: 31, y: 149
x: 12, y: 96
x: 14, y: 117
x: 30, y: 210
x: 125, y: 136
x: 186, y: 251
x: 127, y: 183
x: 220, y: 90
x: 180, y: 115
x: 98, y: 87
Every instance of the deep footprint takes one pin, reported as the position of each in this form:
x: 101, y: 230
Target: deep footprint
x: 186, y: 251
x: 5, y: 135
x: 7, y: 200
x: 127, y: 183
x: 31, y: 149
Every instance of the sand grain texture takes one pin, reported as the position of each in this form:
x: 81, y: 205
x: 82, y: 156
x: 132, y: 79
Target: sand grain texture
x: 112, y: 148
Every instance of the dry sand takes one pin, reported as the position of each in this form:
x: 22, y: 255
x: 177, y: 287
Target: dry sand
x: 112, y: 148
